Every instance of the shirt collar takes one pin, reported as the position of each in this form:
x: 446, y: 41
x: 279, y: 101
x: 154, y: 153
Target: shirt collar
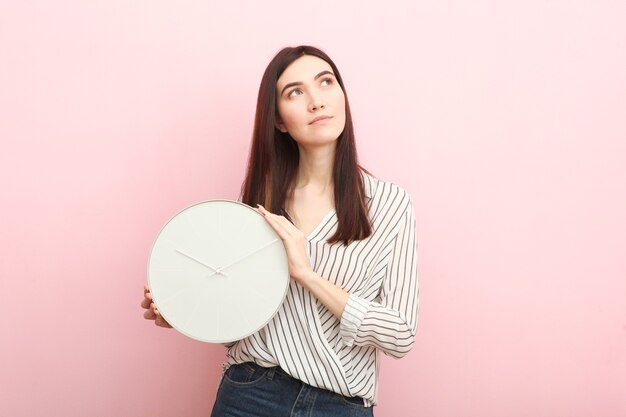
x: 369, y: 185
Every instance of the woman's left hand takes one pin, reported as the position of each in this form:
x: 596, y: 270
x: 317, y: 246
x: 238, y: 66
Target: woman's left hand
x: 294, y: 241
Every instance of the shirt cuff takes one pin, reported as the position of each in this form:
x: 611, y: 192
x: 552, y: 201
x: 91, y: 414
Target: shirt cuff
x: 352, y: 317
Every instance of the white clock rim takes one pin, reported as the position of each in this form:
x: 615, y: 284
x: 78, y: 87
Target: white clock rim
x: 282, y: 298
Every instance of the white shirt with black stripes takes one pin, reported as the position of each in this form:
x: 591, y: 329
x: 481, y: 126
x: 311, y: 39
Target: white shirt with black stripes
x: 379, y: 272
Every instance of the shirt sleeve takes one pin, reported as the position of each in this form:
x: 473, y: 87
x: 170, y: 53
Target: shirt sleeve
x: 388, y: 322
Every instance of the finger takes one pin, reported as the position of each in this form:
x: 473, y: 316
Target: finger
x: 286, y: 230
x: 149, y: 314
x: 263, y: 210
x: 282, y: 232
x: 145, y: 303
x: 266, y: 212
x: 160, y: 321
x: 276, y: 223
x: 163, y: 323
x: 282, y: 221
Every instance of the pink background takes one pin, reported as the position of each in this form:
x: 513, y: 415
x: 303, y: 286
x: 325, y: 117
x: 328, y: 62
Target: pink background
x: 506, y: 121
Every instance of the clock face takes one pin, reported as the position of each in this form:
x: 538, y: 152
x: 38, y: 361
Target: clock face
x: 217, y: 271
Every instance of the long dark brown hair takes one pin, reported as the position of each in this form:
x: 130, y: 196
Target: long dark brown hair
x: 274, y: 157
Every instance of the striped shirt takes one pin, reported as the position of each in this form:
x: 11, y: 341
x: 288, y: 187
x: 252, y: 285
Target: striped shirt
x: 380, y: 272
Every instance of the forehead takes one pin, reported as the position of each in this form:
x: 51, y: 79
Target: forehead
x: 303, y: 69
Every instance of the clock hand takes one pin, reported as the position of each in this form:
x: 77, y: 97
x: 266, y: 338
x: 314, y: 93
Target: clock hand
x: 217, y: 270
x: 244, y: 257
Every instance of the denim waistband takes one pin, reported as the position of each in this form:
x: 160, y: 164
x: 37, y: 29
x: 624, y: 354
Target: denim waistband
x: 271, y: 371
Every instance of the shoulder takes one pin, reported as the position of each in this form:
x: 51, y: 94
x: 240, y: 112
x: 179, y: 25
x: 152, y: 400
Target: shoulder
x: 386, y: 194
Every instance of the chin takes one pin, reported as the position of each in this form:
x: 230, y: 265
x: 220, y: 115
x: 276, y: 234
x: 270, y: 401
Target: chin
x: 318, y: 142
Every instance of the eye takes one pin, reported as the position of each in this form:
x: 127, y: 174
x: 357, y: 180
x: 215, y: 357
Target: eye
x: 326, y: 82
x: 294, y: 93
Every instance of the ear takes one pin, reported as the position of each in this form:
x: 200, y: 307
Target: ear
x: 280, y: 125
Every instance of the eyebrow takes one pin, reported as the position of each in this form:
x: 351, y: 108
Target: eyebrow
x: 293, y: 84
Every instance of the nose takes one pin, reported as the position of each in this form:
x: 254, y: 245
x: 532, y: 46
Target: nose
x: 315, y: 104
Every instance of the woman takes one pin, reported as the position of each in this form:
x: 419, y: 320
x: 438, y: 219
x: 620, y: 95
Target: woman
x: 350, y: 241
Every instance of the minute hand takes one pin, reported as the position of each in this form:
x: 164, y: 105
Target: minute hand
x: 247, y: 256
x: 217, y: 270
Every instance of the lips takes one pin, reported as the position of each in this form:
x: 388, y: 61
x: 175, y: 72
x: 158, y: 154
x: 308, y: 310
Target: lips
x: 319, y: 118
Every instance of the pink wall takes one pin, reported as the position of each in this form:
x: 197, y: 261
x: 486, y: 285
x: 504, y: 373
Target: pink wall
x: 505, y: 121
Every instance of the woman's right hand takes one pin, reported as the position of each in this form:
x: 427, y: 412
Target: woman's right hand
x: 152, y: 313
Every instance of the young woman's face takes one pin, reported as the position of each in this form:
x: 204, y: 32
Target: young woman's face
x: 311, y: 103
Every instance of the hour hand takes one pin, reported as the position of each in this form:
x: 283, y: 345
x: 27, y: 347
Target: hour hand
x: 217, y: 270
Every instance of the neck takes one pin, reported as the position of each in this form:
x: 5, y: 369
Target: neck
x: 315, y: 167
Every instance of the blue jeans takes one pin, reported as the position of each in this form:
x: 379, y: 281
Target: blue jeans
x: 250, y: 390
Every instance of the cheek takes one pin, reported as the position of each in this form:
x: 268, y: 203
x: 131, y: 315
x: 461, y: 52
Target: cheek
x: 286, y: 122
x: 341, y: 110
x: 290, y: 115
x: 285, y: 111
x: 283, y: 114
x: 340, y: 100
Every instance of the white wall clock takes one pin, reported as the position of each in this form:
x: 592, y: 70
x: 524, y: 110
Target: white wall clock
x: 217, y: 271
